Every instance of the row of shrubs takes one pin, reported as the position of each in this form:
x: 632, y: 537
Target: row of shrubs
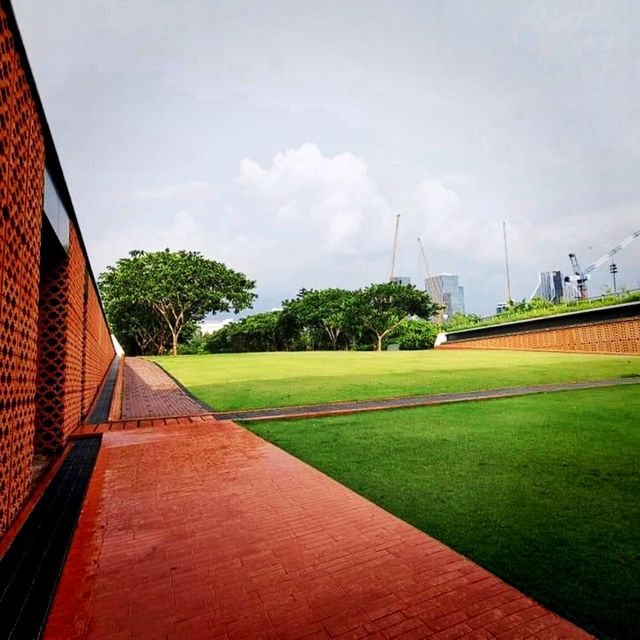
x: 261, y: 332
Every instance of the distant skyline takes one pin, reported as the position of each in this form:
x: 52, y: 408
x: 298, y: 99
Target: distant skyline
x: 282, y: 138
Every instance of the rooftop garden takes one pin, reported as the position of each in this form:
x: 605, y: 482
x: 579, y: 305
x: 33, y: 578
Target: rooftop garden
x: 537, y: 308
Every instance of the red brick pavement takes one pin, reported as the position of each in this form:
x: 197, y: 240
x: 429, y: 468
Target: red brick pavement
x: 203, y: 530
x: 150, y: 393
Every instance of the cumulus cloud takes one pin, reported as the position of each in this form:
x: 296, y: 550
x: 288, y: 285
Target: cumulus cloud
x: 332, y: 197
x: 446, y: 223
x: 182, y: 231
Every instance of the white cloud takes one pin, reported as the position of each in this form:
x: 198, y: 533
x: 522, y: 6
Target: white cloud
x: 460, y: 230
x: 447, y: 224
x: 184, y: 231
x: 331, y: 197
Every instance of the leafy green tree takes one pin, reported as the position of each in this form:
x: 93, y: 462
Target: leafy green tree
x: 413, y: 334
x: 192, y: 343
x: 258, y: 332
x: 380, y: 308
x: 167, y: 291
x: 219, y: 341
x: 324, y: 313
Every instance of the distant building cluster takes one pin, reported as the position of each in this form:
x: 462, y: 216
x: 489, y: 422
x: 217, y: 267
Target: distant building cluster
x: 551, y: 286
x: 444, y: 288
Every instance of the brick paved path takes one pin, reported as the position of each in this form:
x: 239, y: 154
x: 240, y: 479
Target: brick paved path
x: 149, y: 393
x: 203, y: 530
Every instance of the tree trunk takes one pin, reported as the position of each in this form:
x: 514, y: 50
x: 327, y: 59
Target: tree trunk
x: 379, y: 343
x: 174, y: 343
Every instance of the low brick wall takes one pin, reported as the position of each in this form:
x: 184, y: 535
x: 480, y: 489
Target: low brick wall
x: 608, y: 330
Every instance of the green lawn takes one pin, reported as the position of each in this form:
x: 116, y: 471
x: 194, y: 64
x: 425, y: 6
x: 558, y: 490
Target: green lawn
x: 544, y: 490
x: 256, y: 380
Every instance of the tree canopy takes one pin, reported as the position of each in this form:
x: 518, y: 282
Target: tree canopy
x: 152, y: 298
x: 324, y: 314
x: 381, y: 308
x: 333, y: 319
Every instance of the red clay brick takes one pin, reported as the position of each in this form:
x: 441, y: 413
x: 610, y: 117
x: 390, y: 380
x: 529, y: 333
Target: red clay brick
x: 614, y: 336
x: 150, y: 393
x: 201, y: 529
x: 209, y: 522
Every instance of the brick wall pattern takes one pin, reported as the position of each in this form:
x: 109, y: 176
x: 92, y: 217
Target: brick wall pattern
x: 615, y: 337
x: 21, y: 180
x: 55, y: 347
x: 98, y: 351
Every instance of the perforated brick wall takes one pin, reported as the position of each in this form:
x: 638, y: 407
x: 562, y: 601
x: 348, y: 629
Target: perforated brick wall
x: 55, y: 347
x: 21, y: 183
x: 98, y: 349
x: 615, y: 336
x: 59, y: 397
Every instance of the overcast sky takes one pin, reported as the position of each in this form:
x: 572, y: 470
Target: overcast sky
x: 283, y: 137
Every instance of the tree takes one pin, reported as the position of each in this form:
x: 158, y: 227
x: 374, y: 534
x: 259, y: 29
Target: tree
x: 324, y: 313
x: 258, y: 332
x: 412, y: 334
x: 166, y: 291
x: 381, y: 308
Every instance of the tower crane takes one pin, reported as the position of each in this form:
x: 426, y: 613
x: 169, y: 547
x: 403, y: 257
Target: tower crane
x: 580, y: 277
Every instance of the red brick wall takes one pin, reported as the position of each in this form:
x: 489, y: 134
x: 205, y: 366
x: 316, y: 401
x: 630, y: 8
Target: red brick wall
x: 21, y: 185
x: 55, y: 346
x: 75, y: 350
x: 59, y: 397
x: 98, y: 349
x: 615, y: 336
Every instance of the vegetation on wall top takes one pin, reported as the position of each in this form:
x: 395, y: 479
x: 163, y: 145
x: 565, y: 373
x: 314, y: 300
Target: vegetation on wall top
x: 535, y: 308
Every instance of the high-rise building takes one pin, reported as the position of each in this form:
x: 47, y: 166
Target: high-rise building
x: 401, y: 280
x: 550, y: 286
x: 445, y: 288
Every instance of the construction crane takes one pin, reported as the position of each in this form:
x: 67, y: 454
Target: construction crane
x: 580, y: 277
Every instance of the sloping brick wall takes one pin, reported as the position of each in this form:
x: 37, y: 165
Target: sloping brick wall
x: 614, y: 336
x: 55, y: 347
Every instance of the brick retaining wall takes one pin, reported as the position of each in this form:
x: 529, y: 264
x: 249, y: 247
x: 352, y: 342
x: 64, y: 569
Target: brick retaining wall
x: 620, y: 336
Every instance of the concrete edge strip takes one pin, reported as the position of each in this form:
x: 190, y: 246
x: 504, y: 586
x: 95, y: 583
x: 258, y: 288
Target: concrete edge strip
x: 329, y: 409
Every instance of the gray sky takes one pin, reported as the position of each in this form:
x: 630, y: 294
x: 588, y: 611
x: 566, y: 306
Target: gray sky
x: 282, y: 137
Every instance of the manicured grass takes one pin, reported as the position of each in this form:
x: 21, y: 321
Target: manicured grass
x: 256, y: 380
x: 541, y: 490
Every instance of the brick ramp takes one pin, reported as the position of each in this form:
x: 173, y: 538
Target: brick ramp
x: 204, y: 530
x: 150, y: 393
x: 336, y: 408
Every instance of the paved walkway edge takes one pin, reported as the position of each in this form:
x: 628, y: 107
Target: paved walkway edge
x: 340, y: 408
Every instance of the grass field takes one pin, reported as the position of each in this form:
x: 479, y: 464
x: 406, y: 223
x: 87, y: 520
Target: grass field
x: 257, y: 380
x: 541, y: 490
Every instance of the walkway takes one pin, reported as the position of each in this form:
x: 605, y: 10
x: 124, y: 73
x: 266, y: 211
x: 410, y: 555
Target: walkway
x: 203, y: 530
x: 151, y: 393
x: 336, y: 408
